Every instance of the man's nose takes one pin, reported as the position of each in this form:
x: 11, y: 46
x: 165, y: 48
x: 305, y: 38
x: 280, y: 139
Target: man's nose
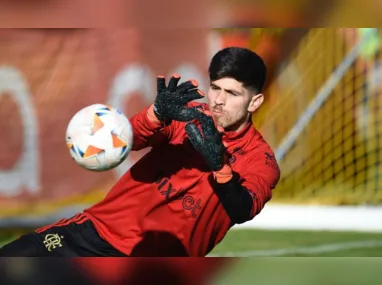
x: 220, y: 98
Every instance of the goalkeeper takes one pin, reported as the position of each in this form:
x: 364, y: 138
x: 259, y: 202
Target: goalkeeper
x: 208, y: 170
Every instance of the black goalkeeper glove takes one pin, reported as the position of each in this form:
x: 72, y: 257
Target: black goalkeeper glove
x: 170, y: 103
x: 207, y: 142
x: 210, y: 145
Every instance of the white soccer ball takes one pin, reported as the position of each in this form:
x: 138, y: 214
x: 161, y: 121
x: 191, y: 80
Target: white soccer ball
x: 99, y: 137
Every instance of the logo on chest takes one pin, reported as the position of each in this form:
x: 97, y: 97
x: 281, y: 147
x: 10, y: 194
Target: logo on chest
x: 236, y: 151
x: 189, y: 203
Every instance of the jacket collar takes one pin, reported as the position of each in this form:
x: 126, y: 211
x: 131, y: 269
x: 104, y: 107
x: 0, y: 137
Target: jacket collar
x: 234, y: 135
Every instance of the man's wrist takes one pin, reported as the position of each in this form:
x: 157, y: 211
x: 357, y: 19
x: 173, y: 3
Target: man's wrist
x: 224, y: 174
x: 152, y: 117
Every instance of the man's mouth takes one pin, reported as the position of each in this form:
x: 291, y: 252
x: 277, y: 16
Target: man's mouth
x: 217, y: 112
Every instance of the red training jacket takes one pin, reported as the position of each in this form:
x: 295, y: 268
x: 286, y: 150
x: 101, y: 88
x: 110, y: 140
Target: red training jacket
x: 165, y: 205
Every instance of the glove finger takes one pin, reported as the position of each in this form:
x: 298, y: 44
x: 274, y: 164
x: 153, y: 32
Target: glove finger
x: 207, y: 123
x: 173, y: 82
x: 219, y: 129
x: 210, y: 114
x: 192, y: 95
x: 187, y: 85
x: 189, y: 114
x: 216, y: 129
x: 194, y: 135
x: 161, y: 83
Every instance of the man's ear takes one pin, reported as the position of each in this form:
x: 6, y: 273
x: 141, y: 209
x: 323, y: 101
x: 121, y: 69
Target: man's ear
x: 255, y: 102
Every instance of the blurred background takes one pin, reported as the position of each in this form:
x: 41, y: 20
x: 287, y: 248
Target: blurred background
x: 321, y: 116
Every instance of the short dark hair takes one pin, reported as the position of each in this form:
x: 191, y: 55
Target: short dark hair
x: 240, y: 64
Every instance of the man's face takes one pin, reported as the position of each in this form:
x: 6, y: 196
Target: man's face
x: 231, y: 103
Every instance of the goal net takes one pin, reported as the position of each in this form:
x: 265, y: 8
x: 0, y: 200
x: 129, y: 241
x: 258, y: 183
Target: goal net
x: 323, y: 119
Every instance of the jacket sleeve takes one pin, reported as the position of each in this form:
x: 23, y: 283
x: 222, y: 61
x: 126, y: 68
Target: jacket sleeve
x: 148, y: 133
x: 244, y: 196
